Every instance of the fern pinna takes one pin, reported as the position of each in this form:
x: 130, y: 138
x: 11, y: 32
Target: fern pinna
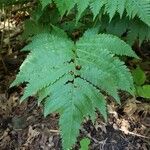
x: 132, y: 8
x: 69, y: 77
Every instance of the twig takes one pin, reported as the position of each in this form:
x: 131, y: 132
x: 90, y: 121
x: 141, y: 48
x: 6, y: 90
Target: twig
x: 136, y: 134
x: 1, y: 46
x: 9, y: 16
x: 54, y: 131
x: 96, y: 141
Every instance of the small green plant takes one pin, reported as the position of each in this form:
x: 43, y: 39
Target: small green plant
x: 142, y: 89
x: 84, y: 144
x: 70, y: 74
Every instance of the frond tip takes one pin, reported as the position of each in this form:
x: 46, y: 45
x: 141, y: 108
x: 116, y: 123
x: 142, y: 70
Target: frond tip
x: 69, y: 77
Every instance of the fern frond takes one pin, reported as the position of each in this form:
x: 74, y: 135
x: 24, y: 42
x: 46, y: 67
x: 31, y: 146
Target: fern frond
x: 121, y: 5
x: 64, y: 5
x: 69, y: 77
x: 45, y: 3
x: 111, y: 8
x: 96, y: 6
x: 133, y: 8
x: 117, y: 26
x: 141, y: 8
x: 82, y: 5
x: 135, y: 29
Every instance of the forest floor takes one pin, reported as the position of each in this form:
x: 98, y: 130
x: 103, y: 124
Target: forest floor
x: 23, y: 126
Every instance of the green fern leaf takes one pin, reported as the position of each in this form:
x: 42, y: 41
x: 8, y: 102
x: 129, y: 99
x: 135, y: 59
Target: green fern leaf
x: 117, y: 26
x: 141, y: 8
x: 96, y: 6
x: 138, y: 30
x: 82, y: 5
x: 69, y: 77
x: 135, y: 29
x: 65, y: 5
x: 111, y: 8
x: 121, y: 5
x: 107, y: 42
x: 44, y: 3
x: 133, y: 8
